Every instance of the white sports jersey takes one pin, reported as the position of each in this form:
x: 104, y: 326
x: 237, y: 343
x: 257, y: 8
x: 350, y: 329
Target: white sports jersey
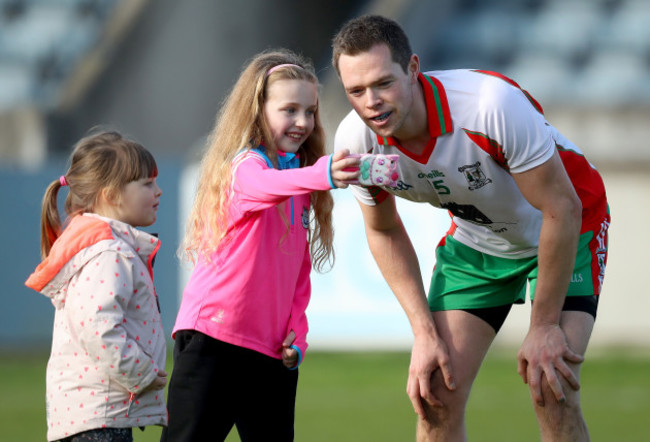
x: 482, y: 127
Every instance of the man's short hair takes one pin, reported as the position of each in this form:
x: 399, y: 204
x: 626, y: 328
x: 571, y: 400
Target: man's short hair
x: 361, y: 34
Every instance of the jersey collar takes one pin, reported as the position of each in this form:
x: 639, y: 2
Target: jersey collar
x: 438, y: 116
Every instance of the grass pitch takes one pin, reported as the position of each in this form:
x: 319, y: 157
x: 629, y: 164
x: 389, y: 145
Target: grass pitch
x: 361, y: 397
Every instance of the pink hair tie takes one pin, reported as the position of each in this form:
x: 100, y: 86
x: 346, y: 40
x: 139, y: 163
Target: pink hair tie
x: 63, y: 181
x: 285, y: 65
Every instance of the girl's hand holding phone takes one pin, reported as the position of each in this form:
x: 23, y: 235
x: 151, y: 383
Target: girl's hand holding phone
x: 365, y: 169
x: 377, y: 169
x: 344, y: 169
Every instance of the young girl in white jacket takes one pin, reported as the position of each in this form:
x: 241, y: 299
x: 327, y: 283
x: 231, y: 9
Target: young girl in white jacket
x: 106, y: 371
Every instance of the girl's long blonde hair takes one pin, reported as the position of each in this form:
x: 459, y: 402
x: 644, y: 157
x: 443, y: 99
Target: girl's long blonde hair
x: 101, y: 160
x: 240, y: 124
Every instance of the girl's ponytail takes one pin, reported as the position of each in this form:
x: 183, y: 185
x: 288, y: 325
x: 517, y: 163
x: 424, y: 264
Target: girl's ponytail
x: 50, y: 218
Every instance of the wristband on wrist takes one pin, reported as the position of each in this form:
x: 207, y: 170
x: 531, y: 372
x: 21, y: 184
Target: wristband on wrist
x: 329, y: 175
x: 295, y: 347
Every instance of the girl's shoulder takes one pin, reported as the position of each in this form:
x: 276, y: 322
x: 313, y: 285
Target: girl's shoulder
x: 76, y: 245
x: 256, y: 154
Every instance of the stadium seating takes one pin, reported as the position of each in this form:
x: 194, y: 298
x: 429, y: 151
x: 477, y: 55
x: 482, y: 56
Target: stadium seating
x: 589, y: 52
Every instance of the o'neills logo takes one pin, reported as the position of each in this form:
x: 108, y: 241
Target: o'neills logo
x: 305, y: 217
x: 433, y: 174
x: 576, y: 277
x: 474, y: 175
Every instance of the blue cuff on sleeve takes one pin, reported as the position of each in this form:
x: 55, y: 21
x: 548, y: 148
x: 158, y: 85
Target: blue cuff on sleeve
x: 329, y: 175
x: 299, y: 357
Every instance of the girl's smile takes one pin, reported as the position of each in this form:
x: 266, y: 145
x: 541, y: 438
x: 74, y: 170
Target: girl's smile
x: 290, y: 112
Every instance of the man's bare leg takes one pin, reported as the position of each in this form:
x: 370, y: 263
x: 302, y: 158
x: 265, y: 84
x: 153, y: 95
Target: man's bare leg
x: 564, y: 421
x: 468, y: 339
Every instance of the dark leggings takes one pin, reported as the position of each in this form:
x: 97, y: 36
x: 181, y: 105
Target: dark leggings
x: 102, y: 435
x: 215, y: 385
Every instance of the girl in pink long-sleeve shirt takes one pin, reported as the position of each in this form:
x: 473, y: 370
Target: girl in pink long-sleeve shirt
x: 261, y: 219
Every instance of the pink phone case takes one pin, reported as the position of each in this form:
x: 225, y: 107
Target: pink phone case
x: 378, y: 169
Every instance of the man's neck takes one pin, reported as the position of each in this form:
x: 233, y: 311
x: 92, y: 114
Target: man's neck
x: 415, y: 134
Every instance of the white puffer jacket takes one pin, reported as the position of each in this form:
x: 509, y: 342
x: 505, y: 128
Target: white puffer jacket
x: 108, y: 343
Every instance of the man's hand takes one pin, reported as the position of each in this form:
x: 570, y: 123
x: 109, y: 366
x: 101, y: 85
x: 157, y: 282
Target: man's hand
x: 544, y: 354
x: 427, y: 356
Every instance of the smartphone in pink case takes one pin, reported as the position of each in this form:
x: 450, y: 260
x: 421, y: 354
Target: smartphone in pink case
x: 377, y: 169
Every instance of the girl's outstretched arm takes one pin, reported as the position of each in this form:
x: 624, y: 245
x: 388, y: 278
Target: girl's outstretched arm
x: 256, y: 186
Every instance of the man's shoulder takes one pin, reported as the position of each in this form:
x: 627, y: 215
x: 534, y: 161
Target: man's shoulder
x: 470, y: 75
x: 455, y: 76
x: 473, y: 92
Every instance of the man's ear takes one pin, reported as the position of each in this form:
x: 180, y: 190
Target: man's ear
x: 414, y: 67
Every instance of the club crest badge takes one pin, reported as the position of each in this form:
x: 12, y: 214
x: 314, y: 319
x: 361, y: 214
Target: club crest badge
x: 474, y: 175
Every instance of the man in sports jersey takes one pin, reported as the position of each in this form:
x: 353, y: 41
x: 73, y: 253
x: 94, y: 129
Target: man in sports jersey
x: 525, y: 205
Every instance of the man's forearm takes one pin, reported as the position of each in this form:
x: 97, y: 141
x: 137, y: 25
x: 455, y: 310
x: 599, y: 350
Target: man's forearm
x: 398, y: 263
x: 556, y: 258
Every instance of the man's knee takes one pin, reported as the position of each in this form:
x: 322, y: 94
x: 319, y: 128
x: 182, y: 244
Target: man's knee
x: 555, y: 409
x: 454, y: 402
